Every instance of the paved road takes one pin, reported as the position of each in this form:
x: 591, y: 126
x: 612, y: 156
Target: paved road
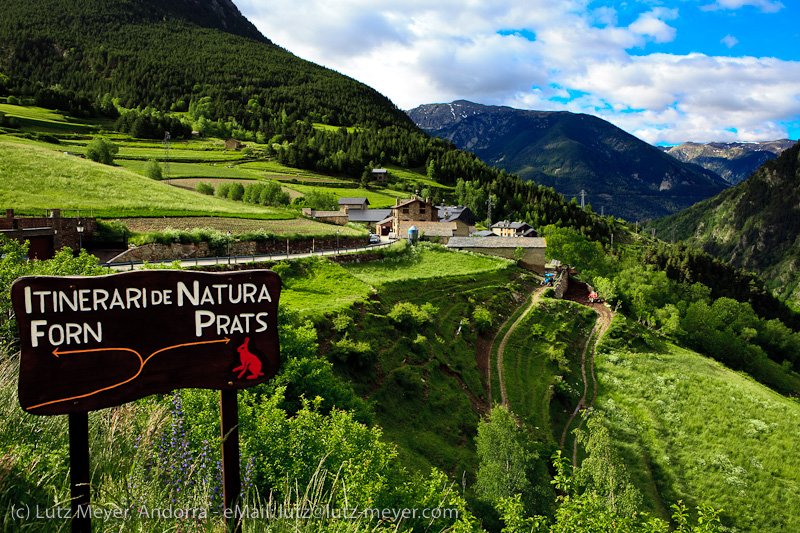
x: 208, y: 261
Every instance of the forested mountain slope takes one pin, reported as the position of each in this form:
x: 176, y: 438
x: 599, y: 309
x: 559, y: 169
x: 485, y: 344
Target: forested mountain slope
x: 80, y: 55
x: 569, y: 152
x: 755, y: 225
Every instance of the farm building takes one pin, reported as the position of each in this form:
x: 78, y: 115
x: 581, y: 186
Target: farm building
x: 233, y: 144
x: 436, y: 231
x: 533, y: 248
x: 347, y: 203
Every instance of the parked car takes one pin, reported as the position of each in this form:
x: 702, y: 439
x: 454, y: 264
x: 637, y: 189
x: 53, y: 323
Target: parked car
x: 374, y: 237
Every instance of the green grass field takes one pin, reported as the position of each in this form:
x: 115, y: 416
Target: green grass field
x: 691, y: 429
x: 546, y: 344
x: 47, y: 121
x: 425, y: 261
x: 317, y: 287
x: 34, y: 178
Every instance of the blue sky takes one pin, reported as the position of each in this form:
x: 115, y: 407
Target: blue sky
x: 667, y: 71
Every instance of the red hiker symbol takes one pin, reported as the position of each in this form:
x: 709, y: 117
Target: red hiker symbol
x: 249, y: 361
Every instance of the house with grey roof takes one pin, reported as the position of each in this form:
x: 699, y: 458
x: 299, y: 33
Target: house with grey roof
x: 449, y: 213
x: 505, y: 228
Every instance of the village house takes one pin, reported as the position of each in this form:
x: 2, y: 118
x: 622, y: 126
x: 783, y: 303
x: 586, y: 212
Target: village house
x: 458, y: 212
x: 380, y: 174
x: 415, y: 209
x: 346, y: 203
x: 504, y: 228
x: 47, y: 234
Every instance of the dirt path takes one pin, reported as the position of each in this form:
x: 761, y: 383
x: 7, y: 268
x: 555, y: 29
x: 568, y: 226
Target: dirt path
x: 536, y: 294
x: 604, y: 316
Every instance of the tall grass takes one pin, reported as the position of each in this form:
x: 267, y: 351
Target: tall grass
x: 543, y: 353
x: 691, y: 429
x: 148, y: 474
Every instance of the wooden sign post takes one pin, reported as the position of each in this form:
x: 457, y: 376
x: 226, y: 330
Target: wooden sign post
x: 94, y: 342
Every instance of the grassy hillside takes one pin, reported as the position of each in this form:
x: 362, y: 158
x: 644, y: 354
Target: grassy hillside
x: 35, y: 178
x: 691, y: 429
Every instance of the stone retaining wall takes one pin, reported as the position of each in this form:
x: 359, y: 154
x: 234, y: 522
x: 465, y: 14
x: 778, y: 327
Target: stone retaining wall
x: 561, y: 284
x: 170, y: 252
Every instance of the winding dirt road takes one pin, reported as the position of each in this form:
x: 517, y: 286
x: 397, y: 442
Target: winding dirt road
x: 604, y: 316
x: 536, y: 294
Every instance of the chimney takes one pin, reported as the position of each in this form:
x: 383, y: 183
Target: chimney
x: 397, y: 201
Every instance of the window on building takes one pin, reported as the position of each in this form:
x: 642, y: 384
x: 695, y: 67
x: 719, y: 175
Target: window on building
x: 405, y: 210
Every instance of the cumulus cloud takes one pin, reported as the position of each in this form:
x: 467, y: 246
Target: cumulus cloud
x: 539, y: 54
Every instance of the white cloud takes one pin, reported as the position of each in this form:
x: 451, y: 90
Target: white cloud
x: 539, y: 54
x: 767, y: 6
x: 652, y: 24
x: 730, y: 41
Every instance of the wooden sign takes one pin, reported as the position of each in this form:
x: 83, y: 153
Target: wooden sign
x: 93, y: 342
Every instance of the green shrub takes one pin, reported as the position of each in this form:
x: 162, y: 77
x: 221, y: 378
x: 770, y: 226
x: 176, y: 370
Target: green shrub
x: 408, y: 314
x: 223, y: 189
x: 482, y: 318
x: 102, y: 150
x: 153, y: 170
x: 205, y: 188
x: 236, y: 192
x: 352, y: 352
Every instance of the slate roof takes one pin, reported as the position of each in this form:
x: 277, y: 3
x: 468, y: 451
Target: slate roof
x: 510, y: 225
x: 353, y: 200
x: 409, y: 202
x: 496, y: 242
x: 485, y: 233
x: 368, y: 215
x: 428, y: 229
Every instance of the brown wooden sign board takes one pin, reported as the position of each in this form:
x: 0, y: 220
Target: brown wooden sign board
x: 93, y: 342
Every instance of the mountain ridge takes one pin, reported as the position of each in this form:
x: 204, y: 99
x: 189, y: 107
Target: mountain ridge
x: 572, y: 152
x: 733, y: 161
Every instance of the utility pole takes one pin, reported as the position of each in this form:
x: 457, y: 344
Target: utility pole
x: 673, y: 234
x: 602, y: 210
x: 489, y: 210
x: 583, y: 200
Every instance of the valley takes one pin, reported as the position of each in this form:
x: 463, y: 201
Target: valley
x: 413, y: 376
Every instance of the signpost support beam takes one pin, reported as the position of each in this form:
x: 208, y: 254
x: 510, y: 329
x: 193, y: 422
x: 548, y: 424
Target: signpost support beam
x: 231, y: 482
x: 79, y: 473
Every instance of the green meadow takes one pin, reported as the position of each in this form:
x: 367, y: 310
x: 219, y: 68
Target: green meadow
x: 37, y: 179
x: 426, y: 261
x: 690, y: 429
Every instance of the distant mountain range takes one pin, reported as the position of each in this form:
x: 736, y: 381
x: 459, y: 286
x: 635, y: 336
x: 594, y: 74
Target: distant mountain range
x: 733, y: 162
x: 754, y: 225
x: 621, y: 174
